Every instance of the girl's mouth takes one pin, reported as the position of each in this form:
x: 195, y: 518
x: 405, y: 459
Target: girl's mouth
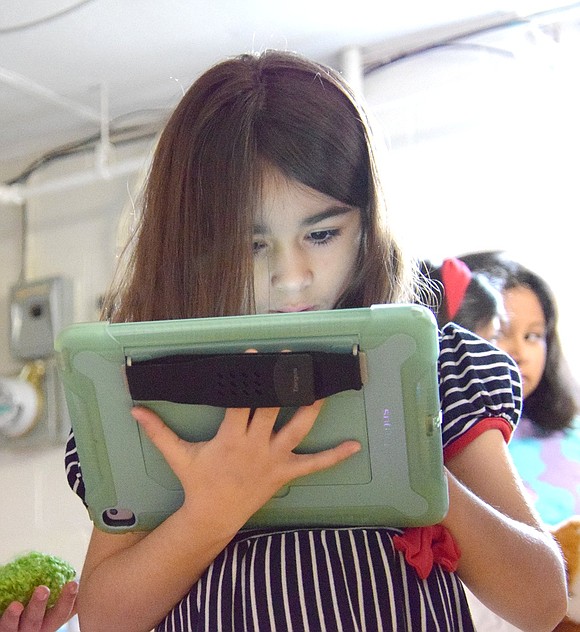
x: 291, y: 309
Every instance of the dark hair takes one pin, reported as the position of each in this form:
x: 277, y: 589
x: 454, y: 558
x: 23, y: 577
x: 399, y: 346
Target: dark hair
x: 480, y: 305
x: 554, y: 402
x: 192, y: 253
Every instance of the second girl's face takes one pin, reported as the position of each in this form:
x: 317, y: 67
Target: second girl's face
x: 305, y: 247
x: 524, y: 336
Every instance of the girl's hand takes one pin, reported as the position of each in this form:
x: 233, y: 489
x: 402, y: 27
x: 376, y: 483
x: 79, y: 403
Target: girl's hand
x: 225, y: 481
x: 35, y: 617
x: 245, y: 464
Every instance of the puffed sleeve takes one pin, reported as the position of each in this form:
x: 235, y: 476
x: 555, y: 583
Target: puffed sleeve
x: 73, y: 468
x: 479, y: 387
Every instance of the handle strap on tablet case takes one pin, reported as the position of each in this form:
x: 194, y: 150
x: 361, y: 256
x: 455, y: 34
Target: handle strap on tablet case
x: 245, y: 380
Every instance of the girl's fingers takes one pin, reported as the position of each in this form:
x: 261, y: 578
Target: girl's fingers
x: 243, y: 437
x: 293, y: 433
x: 62, y: 610
x: 235, y: 421
x: 261, y: 423
x: 304, y: 464
x: 162, y: 437
x: 296, y: 429
x: 32, y: 616
x: 255, y: 422
x: 35, y: 617
x: 11, y: 618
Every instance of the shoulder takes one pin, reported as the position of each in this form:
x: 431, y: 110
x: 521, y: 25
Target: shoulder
x: 460, y: 345
x: 462, y: 355
x: 477, y: 382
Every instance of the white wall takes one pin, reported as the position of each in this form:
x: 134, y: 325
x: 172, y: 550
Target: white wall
x: 72, y: 232
x: 485, y: 152
x: 39, y: 511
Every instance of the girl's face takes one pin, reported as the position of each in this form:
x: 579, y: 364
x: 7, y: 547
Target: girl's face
x: 305, y: 247
x: 524, y: 335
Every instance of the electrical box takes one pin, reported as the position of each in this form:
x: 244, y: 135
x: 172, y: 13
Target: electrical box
x: 38, y: 311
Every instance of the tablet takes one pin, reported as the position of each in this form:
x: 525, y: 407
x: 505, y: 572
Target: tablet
x: 376, y: 368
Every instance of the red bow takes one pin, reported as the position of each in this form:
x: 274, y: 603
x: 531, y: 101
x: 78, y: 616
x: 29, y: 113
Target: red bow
x: 456, y: 277
x: 425, y: 546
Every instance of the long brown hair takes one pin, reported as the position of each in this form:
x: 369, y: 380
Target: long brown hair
x: 191, y: 255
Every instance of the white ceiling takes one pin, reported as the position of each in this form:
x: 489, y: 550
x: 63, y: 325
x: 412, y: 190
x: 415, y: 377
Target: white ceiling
x: 69, y: 66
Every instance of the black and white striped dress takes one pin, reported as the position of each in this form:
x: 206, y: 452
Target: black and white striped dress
x: 331, y: 580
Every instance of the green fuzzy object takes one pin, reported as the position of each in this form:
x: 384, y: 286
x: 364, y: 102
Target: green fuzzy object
x: 19, y: 578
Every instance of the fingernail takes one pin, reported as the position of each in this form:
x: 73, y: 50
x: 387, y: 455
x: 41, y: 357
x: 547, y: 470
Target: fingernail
x: 15, y: 609
x: 42, y: 593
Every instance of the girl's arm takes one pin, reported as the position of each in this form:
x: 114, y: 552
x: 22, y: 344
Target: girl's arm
x: 509, y: 561
x: 131, y: 581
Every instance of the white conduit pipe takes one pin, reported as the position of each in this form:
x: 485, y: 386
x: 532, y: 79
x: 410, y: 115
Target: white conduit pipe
x: 16, y: 193
x: 10, y: 194
x: 27, y: 85
x: 351, y: 67
x: 104, y: 148
x: 104, y: 169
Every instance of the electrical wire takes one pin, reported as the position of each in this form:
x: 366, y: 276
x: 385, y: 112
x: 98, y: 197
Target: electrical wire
x: 133, y: 133
x: 43, y: 20
x: 455, y: 39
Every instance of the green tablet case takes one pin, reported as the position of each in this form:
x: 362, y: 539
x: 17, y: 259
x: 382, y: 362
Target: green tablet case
x: 396, y: 479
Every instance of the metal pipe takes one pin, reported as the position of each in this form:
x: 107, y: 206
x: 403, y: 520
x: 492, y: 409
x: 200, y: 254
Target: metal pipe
x: 351, y: 66
x: 114, y: 171
x: 20, y: 82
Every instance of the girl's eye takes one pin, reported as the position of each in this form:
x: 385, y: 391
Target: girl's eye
x: 258, y: 246
x: 534, y: 336
x: 323, y: 237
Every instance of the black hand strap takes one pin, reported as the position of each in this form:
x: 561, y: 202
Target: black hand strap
x: 245, y: 380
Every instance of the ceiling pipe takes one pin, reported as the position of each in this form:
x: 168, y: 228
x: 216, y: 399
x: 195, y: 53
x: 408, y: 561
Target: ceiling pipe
x: 104, y: 149
x: 11, y: 194
x: 104, y: 169
x: 351, y: 66
x: 20, y: 82
x: 396, y: 48
x: 16, y: 193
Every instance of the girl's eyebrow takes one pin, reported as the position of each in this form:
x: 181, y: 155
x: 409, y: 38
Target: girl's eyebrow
x: 333, y: 211
x: 330, y: 212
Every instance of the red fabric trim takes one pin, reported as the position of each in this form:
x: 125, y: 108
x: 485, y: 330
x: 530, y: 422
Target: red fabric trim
x: 490, y: 423
x: 425, y: 546
x: 456, y: 277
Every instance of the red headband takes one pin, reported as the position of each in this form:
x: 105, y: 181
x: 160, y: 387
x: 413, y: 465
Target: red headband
x: 456, y: 277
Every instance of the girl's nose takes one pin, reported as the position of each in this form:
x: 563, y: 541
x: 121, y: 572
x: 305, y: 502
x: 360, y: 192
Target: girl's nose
x: 514, y: 347
x: 290, y: 271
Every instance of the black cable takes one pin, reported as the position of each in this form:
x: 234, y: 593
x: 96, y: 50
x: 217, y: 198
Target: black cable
x: 43, y: 20
x: 135, y: 133
x: 455, y: 39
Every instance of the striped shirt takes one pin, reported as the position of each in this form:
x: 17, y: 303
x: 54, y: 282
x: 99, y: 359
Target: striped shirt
x: 351, y: 579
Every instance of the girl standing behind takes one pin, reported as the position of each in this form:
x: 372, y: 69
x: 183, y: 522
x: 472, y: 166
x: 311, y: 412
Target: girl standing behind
x: 265, y: 196
x: 546, y: 445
